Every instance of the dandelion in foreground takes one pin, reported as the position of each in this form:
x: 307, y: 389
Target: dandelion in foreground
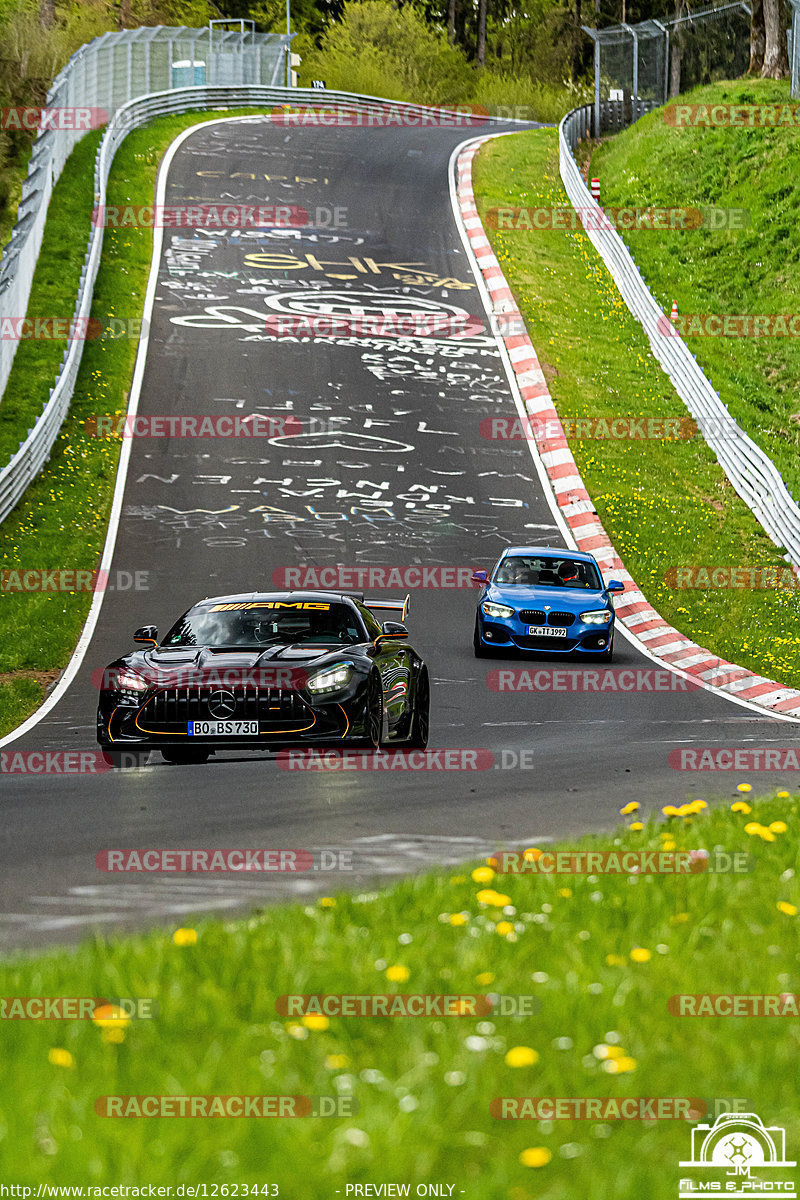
x: 535, y: 1156
x: 398, y: 974
x: 184, y: 937
x: 521, y: 1056
x: 60, y: 1058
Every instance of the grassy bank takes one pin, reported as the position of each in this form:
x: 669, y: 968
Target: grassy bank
x: 754, y: 270
x: 601, y: 955
x: 664, y: 503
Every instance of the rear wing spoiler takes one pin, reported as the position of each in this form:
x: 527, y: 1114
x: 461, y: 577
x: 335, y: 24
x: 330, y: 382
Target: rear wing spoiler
x: 401, y: 606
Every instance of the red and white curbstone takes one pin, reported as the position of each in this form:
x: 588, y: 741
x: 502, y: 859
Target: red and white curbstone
x: 640, y: 618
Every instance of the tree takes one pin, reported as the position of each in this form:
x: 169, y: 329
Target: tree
x: 776, y: 60
x: 758, y: 37
x: 480, y: 51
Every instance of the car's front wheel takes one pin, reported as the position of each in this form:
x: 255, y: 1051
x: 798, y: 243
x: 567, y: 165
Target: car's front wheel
x: 420, y: 722
x: 373, y: 713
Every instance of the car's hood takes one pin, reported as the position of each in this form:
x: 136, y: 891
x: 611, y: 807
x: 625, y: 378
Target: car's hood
x: 274, y: 666
x: 561, y: 599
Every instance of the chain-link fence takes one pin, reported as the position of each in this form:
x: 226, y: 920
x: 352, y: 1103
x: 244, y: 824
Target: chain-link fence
x: 654, y: 60
x: 103, y: 75
x: 794, y: 47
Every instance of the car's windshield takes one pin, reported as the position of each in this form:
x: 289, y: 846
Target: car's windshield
x: 256, y: 623
x: 523, y: 570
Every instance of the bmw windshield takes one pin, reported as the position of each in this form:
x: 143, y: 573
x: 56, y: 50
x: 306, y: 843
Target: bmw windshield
x: 259, y: 623
x: 524, y: 570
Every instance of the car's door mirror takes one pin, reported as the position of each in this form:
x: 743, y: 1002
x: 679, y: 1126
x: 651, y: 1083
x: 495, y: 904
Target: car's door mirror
x: 614, y: 585
x: 393, y: 629
x: 480, y: 576
x: 147, y: 634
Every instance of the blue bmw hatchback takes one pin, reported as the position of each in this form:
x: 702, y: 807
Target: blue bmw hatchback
x: 541, y: 599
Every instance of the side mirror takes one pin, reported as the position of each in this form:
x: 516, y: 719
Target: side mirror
x: 480, y: 577
x: 614, y: 585
x: 393, y: 629
x: 147, y: 633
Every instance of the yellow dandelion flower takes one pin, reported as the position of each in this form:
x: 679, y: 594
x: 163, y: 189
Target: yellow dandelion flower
x: 326, y: 902
x: 778, y: 826
x: 60, y: 1058
x: 110, y: 1016
x: 482, y: 875
x: 315, y: 1021
x: 565, y: 892
x: 670, y: 811
x: 743, y: 787
x: 633, y: 807
x: 615, y: 960
x: 783, y: 795
x: 640, y: 955
x: 532, y: 854
x: 636, y: 826
x: 504, y: 927
x: 784, y: 907
x: 398, y: 974
x: 535, y: 1156
x: 458, y: 919
x: 668, y: 844
x: 485, y: 978
x: 741, y: 807
x: 335, y: 1062
x: 184, y: 937
x: 521, y: 1056
x: 620, y: 1066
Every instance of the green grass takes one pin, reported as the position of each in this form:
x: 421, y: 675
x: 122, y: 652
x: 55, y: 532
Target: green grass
x: 753, y: 270
x: 663, y: 503
x: 422, y: 1088
x: 62, y: 520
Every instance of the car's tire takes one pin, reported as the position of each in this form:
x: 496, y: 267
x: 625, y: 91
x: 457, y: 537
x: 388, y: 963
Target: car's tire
x: 122, y: 760
x: 480, y: 650
x: 420, y: 722
x: 184, y: 755
x: 373, y: 713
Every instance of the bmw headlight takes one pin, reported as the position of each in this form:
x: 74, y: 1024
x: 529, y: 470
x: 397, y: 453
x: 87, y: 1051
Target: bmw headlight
x: 497, y: 610
x: 333, y: 679
x: 598, y: 616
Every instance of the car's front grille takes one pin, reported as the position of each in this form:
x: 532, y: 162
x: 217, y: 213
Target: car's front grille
x: 274, y: 708
x: 536, y: 616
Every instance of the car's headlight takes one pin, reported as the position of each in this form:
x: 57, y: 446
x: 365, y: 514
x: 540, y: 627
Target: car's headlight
x: 497, y: 610
x: 126, y: 681
x: 599, y: 616
x: 331, y: 680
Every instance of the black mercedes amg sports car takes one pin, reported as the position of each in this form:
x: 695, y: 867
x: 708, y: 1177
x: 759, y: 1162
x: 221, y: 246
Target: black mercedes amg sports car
x: 266, y: 669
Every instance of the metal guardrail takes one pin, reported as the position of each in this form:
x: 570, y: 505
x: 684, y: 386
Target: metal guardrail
x: 751, y: 472
x: 99, y: 79
x: 35, y: 450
